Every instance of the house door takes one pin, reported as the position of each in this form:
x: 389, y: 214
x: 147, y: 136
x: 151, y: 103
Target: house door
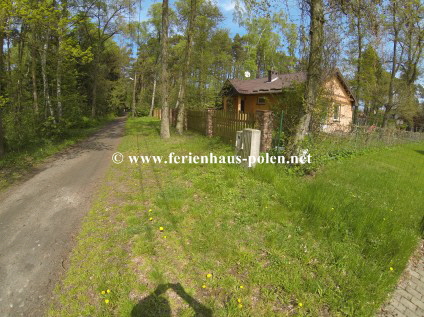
x: 242, y: 106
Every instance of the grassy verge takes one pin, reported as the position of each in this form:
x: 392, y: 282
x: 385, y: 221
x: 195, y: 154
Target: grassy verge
x: 15, y: 165
x: 274, y: 244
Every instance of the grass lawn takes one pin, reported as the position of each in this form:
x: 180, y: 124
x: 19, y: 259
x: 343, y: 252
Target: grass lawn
x: 274, y: 244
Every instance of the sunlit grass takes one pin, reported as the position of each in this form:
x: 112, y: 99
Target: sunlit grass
x: 244, y: 242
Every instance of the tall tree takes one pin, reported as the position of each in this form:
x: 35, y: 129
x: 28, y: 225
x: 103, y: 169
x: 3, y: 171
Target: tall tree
x: 395, y: 21
x: 314, y: 71
x: 186, y: 67
x: 164, y: 127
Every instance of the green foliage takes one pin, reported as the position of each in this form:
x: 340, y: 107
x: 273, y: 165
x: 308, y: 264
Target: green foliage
x: 50, y: 129
x: 64, y: 67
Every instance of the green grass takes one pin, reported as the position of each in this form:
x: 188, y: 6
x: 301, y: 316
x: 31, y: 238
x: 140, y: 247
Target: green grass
x: 299, y: 246
x: 15, y: 165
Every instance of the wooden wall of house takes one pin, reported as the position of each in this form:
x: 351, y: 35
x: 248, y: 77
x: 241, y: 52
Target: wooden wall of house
x: 250, y: 103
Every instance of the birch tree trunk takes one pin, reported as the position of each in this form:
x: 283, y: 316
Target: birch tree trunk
x: 44, y: 75
x: 164, y: 128
x: 133, y: 95
x: 34, y: 79
x: 152, y: 105
x: 59, y: 79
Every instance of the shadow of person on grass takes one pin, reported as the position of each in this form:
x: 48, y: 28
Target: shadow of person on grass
x: 155, y: 305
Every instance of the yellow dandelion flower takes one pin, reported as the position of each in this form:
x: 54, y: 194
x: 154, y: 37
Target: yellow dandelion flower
x: 300, y: 304
x: 108, y: 291
x: 160, y: 228
x: 240, y: 305
x: 106, y: 301
x: 164, y: 237
x: 102, y: 292
x: 203, y: 286
x: 241, y: 286
x: 239, y: 300
x: 150, y: 218
x: 391, y: 269
x: 209, y: 275
x: 150, y: 210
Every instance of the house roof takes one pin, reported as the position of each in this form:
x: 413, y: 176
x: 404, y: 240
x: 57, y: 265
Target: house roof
x: 262, y: 85
x: 278, y: 84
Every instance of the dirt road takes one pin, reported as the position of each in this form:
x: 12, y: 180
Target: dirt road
x: 40, y: 217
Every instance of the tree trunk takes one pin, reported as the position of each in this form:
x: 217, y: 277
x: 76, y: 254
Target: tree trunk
x: 45, y: 79
x: 164, y: 129
x: 34, y: 79
x: 358, y: 69
x: 313, y: 79
x: 94, y: 77
x: 133, y: 95
x: 186, y: 69
x: 59, y: 80
x: 152, y: 105
x: 394, y: 69
x: 177, y: 104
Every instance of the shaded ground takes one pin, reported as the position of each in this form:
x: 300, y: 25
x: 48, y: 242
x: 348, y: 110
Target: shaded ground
x: 39, y: 217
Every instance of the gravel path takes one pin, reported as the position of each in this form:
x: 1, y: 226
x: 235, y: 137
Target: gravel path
x: 40, y: 216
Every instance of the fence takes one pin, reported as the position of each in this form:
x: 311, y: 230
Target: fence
x: 196, y: 120
x: 225, y: 124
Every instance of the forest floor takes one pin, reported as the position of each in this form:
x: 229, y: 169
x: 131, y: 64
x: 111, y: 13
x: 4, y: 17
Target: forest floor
x: 23, y: 164
x: 40, y: 216
x: 237, y: 242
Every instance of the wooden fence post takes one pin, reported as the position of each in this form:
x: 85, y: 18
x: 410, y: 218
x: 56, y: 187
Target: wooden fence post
x: 209, y: 122
x: 263, y: 122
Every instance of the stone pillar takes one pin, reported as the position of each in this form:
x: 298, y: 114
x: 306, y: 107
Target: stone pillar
x: 209, y: 122
x: 263, y: 122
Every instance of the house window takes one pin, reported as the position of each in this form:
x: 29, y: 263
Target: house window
x: 336, y: 112
x: 261, y: 101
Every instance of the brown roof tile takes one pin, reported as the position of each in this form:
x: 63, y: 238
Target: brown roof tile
x: 262, y: 85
